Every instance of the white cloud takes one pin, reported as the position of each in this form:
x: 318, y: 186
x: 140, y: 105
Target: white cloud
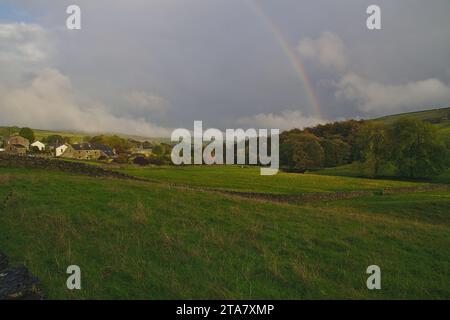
x: 370, y: 96
x: 23, y: 42
x: 50, y: 102
x: 328, y: 49
x: 24, y: 49
x: 376, y: 98
x: 285, y: 120
x: 146, y: 103
x: 36, y: 95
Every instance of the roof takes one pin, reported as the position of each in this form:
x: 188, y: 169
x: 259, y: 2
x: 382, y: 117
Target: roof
x: 19, y: 146
x: 81, y: 146
x: 94, y: 146
x: 17, y: 137
x: 99, y: 146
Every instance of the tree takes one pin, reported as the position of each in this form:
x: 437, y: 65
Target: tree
x: 8, y: 131
x: 345, y: 131
x: 120, y: 145
x: 158, y: 150
x: 417, y: 149
x: 301, y: 151
x: 374, y: 149
x: 336, y: 152
x: 55, y: 140
x: 27, y: 133
x: 147, y: 145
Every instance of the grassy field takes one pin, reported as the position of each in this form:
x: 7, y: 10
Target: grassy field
x: 355, y: 170
x: 249, y: 179
x: 150, y: 241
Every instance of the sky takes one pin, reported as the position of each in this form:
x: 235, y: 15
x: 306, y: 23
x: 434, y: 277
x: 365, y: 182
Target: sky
x: 146, y: 67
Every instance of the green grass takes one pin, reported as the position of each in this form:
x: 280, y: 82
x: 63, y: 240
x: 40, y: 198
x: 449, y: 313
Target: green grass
x: 149, y: 241
x: 425, y: 115
x: 249, y: 180
x: 355, y: 170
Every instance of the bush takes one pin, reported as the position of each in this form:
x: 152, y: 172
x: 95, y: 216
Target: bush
x: 121, y: 158
x: 27, y: 133
x: 141, y: 161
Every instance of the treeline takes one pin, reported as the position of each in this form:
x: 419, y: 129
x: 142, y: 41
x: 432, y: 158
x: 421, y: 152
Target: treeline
x: 412, y: 148
x: 328, y: 145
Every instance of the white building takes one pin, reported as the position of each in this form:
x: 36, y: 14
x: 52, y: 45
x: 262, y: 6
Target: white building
x: 2, y: 150
x: 60, y: 150
x: 38, y: 145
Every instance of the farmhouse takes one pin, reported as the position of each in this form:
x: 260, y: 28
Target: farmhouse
x: 39, y: 145
x: 109, y: 152
x: 16, y: 145
x: 16, y: 149
x: 86, y: 151
x: 142, y: 151
x: 59, y: 151
x: 18, y: 140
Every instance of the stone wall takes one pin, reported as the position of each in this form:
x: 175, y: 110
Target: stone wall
x: 13, y: 161
x: 18, y: 283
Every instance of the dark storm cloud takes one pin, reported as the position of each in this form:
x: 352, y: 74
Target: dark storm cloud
x: 167, y: 63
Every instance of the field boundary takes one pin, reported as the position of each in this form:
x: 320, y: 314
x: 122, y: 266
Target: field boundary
x: 331, y: 196
x: 99, y: 172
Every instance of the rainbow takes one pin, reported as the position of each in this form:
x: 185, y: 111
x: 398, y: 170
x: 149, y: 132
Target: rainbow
x: 292, y: 55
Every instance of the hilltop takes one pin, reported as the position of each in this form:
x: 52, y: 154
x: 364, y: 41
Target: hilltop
x: 438, y: 117
x: 78, y: 136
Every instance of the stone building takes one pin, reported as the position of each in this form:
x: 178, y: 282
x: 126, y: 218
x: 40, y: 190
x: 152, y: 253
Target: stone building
x: 84, y: 151
x: 16, y: 149
x: 16, y: 145
x: 16, y: 139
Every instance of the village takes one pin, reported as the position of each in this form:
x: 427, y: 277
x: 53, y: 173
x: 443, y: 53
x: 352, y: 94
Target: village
x: 99, y: 148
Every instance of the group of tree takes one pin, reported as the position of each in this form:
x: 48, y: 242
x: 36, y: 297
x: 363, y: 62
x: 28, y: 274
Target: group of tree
x: 413, y: 148
x: 328, y: 145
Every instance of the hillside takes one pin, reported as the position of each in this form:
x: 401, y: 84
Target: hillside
x: 77, y: 136
x: 438, y: 117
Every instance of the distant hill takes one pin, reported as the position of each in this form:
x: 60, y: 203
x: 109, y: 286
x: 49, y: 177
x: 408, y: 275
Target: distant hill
x: 78, y: 136
x: 438, y: 117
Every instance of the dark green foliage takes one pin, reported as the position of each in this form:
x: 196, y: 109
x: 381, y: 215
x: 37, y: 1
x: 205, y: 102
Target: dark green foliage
x: 158, y: 150
x: 336, y: 152
x: 301, y: 151
x: 120, y: 145
x: 417, y: 150
x: 8, y: 131
x: 337, y: 141
x: 147, y: 145
x: 372, y: 144
x: 55, y: 140
x: 27, y: 133
x: 411, y: 146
